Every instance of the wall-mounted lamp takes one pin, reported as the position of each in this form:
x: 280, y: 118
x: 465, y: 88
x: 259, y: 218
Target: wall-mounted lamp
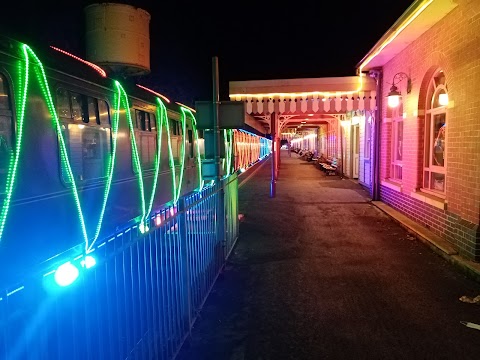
x: 443, y: 99
x: 394, y: 94
x: 345, y: 123
x: 357, y: 115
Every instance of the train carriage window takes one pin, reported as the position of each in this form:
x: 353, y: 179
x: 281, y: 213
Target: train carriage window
x: 175, y: 128
x: 147, y: 122
x: 190, y: 142
x: 153, y: 123
x: 6, y: 132
x: 201, y: 144
x: 92, y: 111
x: 88, y: 151
x: 63, y: 104
x: 140, y: 119
x: 175, y: 139
x: 103, y: 113
x: 143, y: 120
x: 145, y: 138
x: 4, y: 99
x: 88, y: 143
x: 79, y: 107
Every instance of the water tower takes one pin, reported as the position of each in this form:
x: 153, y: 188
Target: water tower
x: 117, y: 38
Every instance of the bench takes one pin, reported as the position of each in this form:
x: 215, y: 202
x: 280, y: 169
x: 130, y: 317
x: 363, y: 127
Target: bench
x: 329, y: 166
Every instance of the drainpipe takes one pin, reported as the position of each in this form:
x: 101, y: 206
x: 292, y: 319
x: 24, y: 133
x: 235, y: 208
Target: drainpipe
x: 377, y: 75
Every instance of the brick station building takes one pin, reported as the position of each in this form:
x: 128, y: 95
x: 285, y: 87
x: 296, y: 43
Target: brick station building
x: 421, y: 156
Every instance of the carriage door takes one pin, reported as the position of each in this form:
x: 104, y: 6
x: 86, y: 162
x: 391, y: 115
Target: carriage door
x: 356, y: 150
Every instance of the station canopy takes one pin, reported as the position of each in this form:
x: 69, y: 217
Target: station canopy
x: 309, y: 101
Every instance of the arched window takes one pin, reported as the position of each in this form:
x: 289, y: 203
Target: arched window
x: 434, y: 168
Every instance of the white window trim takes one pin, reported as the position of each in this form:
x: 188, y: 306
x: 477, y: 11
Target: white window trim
x: 368, y: 137
x: 393, y: 161
x: 395, y: 118
x: 433, y: 168
x: 391, y: 185
x: 429, y: 198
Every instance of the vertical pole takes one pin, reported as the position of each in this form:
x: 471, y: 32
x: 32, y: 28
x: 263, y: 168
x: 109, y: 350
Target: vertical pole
x: 220, y: 198
x: 185, y: 262
x: 216, y: 127
x: 274, y: 156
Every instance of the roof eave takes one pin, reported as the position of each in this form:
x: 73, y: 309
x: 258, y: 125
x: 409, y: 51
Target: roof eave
x: 418, y: 18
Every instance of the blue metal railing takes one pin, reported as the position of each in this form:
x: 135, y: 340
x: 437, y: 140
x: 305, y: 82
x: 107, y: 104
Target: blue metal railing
x: 140, y: 299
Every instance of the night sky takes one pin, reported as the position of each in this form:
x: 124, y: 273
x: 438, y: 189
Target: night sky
x: 252, y: 40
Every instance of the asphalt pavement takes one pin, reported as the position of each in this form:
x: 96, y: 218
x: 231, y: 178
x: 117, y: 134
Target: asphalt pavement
x: 321, y: 272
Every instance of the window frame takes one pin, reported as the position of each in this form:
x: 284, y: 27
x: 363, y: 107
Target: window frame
x: 146, y: 129
x: 430, y: 136
x: 367, y: 151
x: 396, y: 165
x: 89, y: 102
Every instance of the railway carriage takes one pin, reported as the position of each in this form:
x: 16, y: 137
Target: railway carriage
x: 83, y: 154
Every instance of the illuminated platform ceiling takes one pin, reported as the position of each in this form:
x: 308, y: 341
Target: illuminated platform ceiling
x: 309, y: 102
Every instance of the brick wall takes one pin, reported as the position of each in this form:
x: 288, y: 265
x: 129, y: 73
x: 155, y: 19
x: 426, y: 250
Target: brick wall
x: 460, y: 233
x: 453, y: 44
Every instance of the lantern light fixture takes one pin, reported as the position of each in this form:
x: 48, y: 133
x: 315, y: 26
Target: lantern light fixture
x: 356, y: 117
x: 345, y: 122
x: 443, y: 99
x: 394, y: 94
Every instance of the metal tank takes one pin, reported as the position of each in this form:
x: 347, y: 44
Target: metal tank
x: 118, y: 38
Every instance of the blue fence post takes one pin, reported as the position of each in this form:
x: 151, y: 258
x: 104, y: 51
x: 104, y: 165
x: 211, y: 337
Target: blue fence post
x: 221, y: 218
x: 231, y: 213
x: 185, y: 262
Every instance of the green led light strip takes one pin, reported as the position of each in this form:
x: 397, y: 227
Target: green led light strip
x: 228, y: 138
x: 171, y: 163
x: 178, y: 186
x: 120, y: 100
x: 161, y: 116
x: 111, y: 165
x: 42, y: 80
x: 15, y: 155
x: 135, y: 155
x: 162, y: 119
x: 186, y: 112
x: 201, y: 182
